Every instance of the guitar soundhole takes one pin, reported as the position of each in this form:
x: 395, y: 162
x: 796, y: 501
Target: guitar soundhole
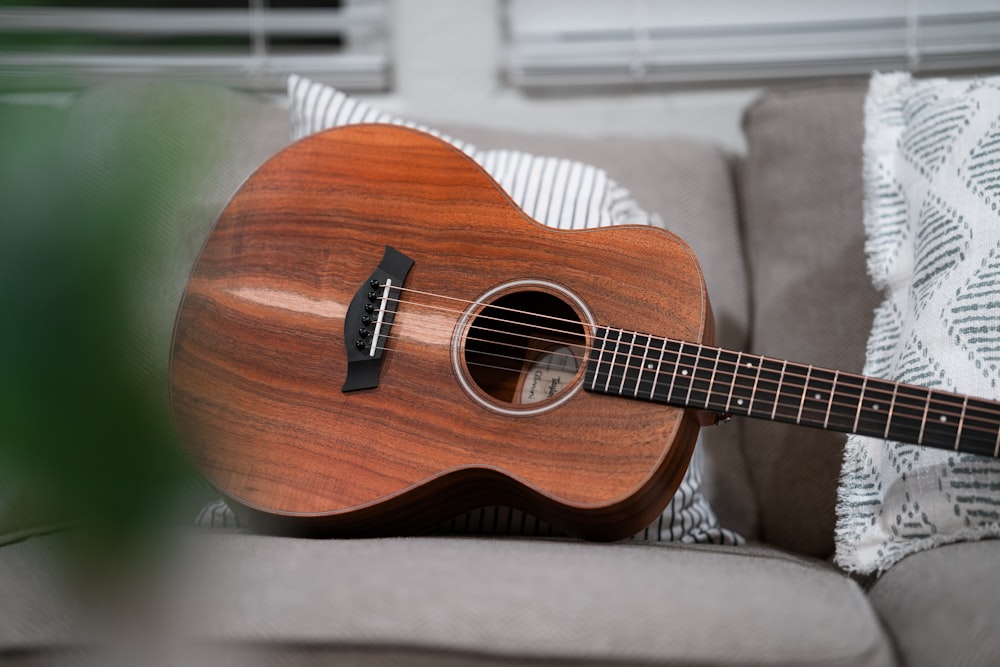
x: 523, y: 349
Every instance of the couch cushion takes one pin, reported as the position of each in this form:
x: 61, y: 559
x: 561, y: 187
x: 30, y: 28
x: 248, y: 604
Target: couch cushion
x: 812, y: 300
x: 476, y: 601
x: 940, y: 606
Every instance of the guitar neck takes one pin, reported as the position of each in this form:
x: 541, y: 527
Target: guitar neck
x: 634, y: 365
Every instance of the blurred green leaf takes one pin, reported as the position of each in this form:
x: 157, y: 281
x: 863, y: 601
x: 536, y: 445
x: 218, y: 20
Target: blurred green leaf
x: 84, y: 247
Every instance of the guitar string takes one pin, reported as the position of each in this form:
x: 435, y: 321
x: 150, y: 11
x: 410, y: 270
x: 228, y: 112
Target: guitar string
x: 968, y: 426
x: 872, y: 393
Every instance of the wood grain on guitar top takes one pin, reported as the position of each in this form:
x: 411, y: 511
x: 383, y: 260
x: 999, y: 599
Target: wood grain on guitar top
x: 258, y: 359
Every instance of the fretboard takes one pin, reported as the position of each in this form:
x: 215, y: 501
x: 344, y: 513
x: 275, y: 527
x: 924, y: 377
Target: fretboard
x: 662, y: 370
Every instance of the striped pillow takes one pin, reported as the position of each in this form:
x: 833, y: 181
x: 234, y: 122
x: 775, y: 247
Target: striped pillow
x: 932, y: 190
x: 559, y: 193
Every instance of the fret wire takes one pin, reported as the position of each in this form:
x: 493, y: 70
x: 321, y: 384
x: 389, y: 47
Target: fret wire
x: 763, y: 381
x: 600, y: 360
x: 628, y: 367
x: 874, y: 416
x: 905, y: 419
x: 732, y: 387
x: 723, y: 367
x: 815, y: 408
x: 756, y: 379
x: 642, y: 342
x: 607, y: 384
x: 743, y: 391
x: 910, y: 397
x: 617, y: 356
x: 710, y: 394
x: 979, y: 428
x: 634, y: 370
x: 923, y: 421
x: 805, y: 390
x: 938, y: 429
x: 642, y: 366
x: 790, y: 396
x: 673, y: 376
x: 694, y: 371
x: 608, y: 349
x: 777, y: 391
x: 728, y: 367
x: 781, y: 393
x: 833, y: 392
x: 843, y: 412
x: 961, y: 421
x: 659, y: 365
x: 892, y: 406
x: 715, y: 369
x: 861, y: 398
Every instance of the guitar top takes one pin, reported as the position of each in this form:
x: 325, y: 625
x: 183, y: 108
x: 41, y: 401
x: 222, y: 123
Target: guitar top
x: 375, y: 338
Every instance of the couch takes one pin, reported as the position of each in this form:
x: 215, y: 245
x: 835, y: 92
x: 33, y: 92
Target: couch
x: 779, y: 234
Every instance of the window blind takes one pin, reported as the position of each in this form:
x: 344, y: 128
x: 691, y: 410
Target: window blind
x: 243, y: 43
x: 561, y: 43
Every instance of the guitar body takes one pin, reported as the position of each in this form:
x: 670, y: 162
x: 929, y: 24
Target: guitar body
x: 260, y: 351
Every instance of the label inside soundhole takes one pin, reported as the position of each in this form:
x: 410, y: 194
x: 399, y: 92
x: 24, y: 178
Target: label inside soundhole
x: 550, y: 372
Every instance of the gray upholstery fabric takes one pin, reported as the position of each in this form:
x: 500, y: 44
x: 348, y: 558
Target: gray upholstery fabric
x: 812, y: 300
x: 464, y: 601
x: 940, y: 606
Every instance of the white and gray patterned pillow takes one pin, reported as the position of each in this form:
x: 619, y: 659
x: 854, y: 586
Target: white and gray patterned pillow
x: 557, y: 192
x: 932, y: 189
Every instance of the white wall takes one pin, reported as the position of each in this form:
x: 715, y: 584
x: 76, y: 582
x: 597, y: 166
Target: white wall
x: 447, y: 67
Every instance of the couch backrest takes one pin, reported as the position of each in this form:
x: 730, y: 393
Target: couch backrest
x: 801, y: 199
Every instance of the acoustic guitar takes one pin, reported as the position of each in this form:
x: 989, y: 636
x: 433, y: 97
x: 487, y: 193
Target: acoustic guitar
x: 375, y: 339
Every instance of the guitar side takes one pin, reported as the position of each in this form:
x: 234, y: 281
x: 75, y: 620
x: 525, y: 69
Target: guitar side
x: 258, y: 360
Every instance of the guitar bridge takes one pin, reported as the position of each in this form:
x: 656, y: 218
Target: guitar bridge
x: 369, y: 320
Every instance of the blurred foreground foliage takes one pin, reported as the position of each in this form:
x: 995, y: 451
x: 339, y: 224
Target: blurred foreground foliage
x: 85, y: 207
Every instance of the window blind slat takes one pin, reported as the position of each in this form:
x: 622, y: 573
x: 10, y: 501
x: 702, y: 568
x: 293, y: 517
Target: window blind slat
x: 192, y: 21
x: 253, y: 46
x: 554, y: 43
